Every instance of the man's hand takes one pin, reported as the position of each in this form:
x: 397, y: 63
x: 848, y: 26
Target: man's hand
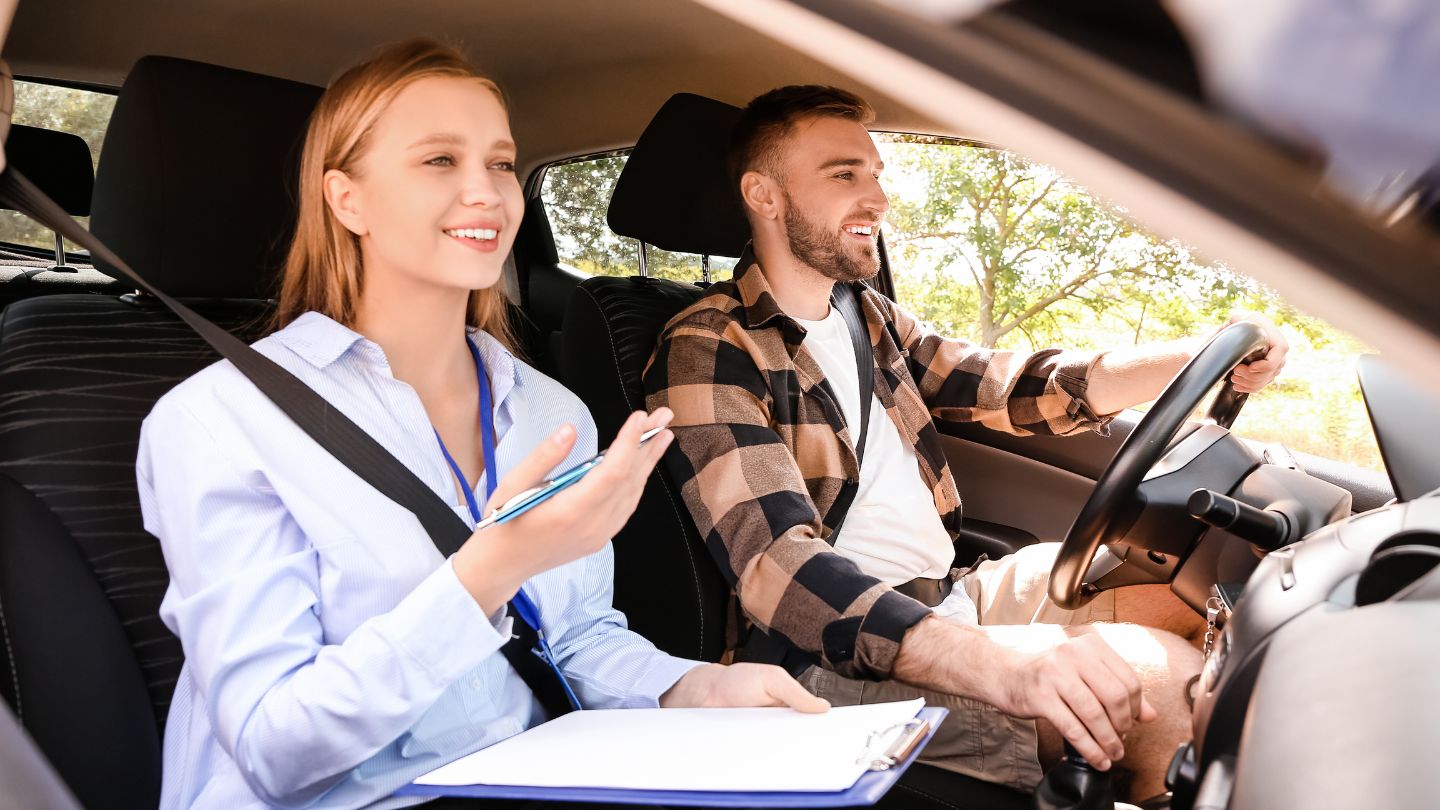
x: 1251, y: 377
x: 716, y: 685
x: 1067, y: 676
x: 1080, y: 685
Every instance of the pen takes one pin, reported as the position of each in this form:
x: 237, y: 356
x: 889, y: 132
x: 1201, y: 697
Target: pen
x: 529, y: 498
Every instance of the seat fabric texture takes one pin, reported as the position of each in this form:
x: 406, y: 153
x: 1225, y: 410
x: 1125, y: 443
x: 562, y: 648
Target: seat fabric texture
x: 90, y: 668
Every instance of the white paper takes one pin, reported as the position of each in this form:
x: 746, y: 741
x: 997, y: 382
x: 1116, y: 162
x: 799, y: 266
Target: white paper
x: 730, y: 750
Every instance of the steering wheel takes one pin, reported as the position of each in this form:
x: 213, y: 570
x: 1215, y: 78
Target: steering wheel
x: 1145, y: 446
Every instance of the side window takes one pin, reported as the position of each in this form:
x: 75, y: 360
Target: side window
x: 81, y: 112
x: 1011, y: 254
x: 576, y: 194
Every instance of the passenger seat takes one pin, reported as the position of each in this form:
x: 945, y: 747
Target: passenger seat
x: 194, y: 191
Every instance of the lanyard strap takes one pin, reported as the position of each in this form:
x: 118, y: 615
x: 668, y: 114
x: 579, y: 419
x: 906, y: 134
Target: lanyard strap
x: 521, y: 605
x: 487, y: 437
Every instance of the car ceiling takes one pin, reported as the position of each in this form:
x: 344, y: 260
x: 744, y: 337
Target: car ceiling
x: 583, y: 76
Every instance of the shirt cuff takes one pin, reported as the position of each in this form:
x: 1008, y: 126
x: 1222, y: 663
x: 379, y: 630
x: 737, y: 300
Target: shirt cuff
x: 444, y: 628
x: 883, y: 629
x: 1072, y: 378
x: 665, y: 673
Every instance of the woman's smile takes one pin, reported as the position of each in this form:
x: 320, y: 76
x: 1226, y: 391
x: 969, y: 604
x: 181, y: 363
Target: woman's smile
x: 483, y: 237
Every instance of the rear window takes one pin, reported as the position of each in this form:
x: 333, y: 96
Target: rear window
x: 81, y: 112
x: 576, y: 194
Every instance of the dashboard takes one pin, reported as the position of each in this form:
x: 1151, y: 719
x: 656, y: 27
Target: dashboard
x: 1322, y: 688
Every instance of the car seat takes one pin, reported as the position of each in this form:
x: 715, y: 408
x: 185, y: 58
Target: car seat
x: 193, y: 189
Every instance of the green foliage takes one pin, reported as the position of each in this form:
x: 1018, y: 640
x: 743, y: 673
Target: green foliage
x: 1028, y: 254
x: 80, y: 112
x: 988, y: 246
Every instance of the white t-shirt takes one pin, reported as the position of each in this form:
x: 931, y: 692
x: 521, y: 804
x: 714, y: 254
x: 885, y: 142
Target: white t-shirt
x: 892, y: 531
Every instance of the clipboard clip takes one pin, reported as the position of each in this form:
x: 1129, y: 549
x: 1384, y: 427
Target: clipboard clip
x: 888, y: 747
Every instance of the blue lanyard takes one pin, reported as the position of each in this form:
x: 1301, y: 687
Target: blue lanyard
x: 526, y: 608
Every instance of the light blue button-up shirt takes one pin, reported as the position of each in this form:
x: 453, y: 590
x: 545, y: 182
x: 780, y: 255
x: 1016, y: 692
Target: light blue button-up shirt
x: 332, y: 654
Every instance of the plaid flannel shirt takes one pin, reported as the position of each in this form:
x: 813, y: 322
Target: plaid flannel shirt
x: 766, y: 463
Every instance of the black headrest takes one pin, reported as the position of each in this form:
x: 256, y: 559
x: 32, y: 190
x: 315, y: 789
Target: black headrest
x: 196, y: 181
x: 57, y: 162
x: 674, y: 192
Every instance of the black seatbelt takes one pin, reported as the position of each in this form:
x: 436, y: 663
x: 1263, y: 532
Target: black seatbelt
x: 330, y: 428
x: 846, y: 298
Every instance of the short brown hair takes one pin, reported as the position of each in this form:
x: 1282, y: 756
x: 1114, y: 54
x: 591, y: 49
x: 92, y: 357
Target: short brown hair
x: 768, y: 118
x: 323, y: 271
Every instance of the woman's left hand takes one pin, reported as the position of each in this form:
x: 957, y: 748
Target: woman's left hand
x: 718, y: 685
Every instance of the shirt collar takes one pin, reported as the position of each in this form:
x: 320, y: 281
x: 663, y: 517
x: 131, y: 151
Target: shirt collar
x: 758, y: 305
x: 321, y: 340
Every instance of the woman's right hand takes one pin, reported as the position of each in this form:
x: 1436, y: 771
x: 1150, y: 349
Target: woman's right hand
x: 576, y: 522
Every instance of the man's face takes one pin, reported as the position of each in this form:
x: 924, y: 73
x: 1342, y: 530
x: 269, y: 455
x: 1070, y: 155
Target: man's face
x: 830, y: 181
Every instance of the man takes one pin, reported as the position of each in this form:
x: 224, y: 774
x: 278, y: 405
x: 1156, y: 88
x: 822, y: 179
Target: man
x: 761, y: 374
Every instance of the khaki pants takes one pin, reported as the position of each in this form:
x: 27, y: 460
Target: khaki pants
x: 977, y: 739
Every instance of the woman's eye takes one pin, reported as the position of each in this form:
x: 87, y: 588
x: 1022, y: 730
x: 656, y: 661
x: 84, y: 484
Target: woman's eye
x: 503, y: 166
x: 441, y: 160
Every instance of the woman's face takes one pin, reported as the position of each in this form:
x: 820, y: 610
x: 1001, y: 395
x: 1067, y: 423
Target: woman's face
x: 435, y: 200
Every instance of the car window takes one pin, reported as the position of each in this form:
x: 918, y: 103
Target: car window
x: 81, y: 112
x: 1011, y: 254
x: 576, y: 194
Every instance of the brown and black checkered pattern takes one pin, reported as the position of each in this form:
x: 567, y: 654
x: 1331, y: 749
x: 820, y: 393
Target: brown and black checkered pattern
x: 766, y: 464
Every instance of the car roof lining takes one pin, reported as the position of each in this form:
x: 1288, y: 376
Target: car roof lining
x: 589, y: 80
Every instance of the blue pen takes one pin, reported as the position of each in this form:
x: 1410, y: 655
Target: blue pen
x: 530, y: 498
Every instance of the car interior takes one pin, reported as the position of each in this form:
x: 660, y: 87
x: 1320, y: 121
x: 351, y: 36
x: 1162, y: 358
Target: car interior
x: 1293, y: 558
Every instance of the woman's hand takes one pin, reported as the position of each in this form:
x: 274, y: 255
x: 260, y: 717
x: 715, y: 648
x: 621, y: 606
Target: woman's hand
x: 576, y: 522
x: 717, y: 685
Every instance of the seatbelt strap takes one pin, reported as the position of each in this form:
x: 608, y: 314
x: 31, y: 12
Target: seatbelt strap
x: 846, y: 298
x: 330, y: 428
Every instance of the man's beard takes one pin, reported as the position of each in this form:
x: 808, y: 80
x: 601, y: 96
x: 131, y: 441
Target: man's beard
x: 825, y: 250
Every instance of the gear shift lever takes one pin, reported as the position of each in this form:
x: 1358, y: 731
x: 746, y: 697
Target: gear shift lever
x: 1074, y: 784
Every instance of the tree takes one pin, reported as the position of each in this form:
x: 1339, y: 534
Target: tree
x: 1014, y: 247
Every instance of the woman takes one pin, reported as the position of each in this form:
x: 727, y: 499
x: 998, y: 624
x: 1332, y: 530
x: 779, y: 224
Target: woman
x: 331, y: 654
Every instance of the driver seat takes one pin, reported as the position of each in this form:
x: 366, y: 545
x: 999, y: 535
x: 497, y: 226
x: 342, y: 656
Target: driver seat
x: 674, y: 193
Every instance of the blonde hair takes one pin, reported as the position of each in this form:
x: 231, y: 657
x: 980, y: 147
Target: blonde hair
x: 323, y: 270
